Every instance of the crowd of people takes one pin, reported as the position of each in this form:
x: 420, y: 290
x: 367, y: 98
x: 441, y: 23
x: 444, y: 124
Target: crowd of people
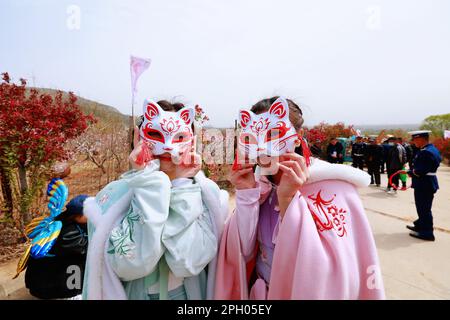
x: 390, y: 156
x: 399, y: 159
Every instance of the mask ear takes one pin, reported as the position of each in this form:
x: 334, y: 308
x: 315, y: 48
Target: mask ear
x: 280, y: 108
x: 187, y: 115
x: 244, y: 117
x: 151, y: 109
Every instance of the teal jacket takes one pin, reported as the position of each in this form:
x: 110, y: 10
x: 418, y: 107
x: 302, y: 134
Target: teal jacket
x: 141, y: 227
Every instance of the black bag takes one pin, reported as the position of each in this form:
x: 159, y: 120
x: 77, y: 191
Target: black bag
x: 47, y: 278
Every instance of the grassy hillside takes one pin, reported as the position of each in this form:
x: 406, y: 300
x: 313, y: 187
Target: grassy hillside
x: 100, y: 111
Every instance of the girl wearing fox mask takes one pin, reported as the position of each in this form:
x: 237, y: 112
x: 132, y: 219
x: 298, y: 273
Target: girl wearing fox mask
x: 299, y: 230
x: 155, y: 231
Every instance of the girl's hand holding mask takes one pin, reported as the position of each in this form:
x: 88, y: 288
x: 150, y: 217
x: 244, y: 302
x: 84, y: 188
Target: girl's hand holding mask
x: 295, y: 174
x: 189, y: 164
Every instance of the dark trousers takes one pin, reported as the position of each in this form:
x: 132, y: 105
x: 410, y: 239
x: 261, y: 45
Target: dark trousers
x: 374, y: 172
x: 395, y: 179
x: 424, y: 201
x: 332, y: 160
x: 335, y: 160
x: 358, y: 162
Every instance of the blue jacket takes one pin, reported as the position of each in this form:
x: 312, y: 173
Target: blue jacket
x: 425, y: 165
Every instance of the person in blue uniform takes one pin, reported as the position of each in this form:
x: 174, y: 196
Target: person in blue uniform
x: 425, y: 184
x: 374, y: 158
x: 386, y: 147
x: 358, y: 153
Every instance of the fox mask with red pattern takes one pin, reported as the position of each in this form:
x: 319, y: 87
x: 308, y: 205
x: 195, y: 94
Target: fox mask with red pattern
x: 166, y: 131
x: 270, y: 133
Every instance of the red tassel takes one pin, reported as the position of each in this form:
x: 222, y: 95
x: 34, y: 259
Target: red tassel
x: 236, y: 165
x: 306, y: 152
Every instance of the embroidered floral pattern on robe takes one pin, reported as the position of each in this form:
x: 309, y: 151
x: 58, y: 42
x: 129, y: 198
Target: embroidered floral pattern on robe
x: 327, y: 215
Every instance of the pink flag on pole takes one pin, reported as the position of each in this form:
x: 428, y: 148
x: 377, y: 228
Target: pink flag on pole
x: 137, y: 67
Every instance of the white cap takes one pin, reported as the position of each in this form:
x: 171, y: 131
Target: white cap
x: 419, y: 133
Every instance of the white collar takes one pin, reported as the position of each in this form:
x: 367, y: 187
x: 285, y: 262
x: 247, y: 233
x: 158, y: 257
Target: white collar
x: 321, y: 170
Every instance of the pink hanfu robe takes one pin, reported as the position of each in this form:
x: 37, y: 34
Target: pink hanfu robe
x: 324, y: 247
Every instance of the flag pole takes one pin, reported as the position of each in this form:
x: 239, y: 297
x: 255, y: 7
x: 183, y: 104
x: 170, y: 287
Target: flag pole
x: 132, y: 122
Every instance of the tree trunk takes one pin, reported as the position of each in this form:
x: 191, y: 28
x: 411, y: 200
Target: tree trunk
x: 26, y: 216
x: 23, y: 179
x: 6, y: 192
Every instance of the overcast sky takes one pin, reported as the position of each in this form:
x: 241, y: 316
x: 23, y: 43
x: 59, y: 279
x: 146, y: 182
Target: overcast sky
x: 357, y: 61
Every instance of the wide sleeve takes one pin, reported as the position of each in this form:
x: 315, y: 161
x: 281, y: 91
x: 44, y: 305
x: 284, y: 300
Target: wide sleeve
x: 247, y: 215
x: 135, y: 243
x: 188, y: 234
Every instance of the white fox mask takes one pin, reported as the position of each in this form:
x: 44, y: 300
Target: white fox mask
x: 270, y: 133
x: 165, y: 131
